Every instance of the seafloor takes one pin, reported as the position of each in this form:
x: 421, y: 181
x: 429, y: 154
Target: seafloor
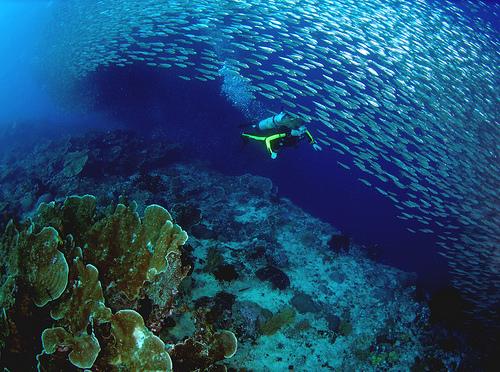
x: 295, y: 293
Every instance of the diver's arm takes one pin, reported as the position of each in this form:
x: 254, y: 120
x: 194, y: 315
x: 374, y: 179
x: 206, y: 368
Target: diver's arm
x: 313, y: 142
x: 311, y: 139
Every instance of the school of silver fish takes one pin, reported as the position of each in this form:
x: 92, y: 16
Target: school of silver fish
x: 404, y: 90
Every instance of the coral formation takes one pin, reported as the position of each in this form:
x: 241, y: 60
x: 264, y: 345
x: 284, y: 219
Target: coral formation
x: 144, y: 248
x: 45, y: 266
x: 131, y: 252
x: 35, y: 257
x: 135, y: 347
x: 199, y: 354
x: 84, y: 348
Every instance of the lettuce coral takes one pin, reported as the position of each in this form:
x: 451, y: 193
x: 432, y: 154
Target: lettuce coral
x: 133, y: 250
x: 45, y: 267
x: 85, y: 348
x: 137, y: 249
x: 136, y: 348
x: 116, y: 258
x: 36, y: 258
x: 226, y: 342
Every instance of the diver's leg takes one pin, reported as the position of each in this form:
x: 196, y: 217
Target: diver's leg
x: 269, y: 143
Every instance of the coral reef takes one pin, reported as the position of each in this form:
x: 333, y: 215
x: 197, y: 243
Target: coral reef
x: 130, y: 252
x: 133, y: 296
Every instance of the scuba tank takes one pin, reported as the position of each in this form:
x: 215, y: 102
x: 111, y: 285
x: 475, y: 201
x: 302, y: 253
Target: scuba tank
x: 272, y: 122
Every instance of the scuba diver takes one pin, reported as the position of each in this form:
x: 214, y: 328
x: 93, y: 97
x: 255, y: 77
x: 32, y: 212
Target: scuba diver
x: 281, y: 130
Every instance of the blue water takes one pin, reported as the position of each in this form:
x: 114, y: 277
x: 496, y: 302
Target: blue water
x: 195, y: 114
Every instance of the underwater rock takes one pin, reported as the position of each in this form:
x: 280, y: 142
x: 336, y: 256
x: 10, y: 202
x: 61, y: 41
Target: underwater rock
x: 337, y: 277
x: 339, y: 243
x: 217, y: 310
x: 74, y: 163
x: 192, y: 355
x: 201, y: 231
x: 304, y: 303
x: 279, y: 320
x: 214, y: 259
x: 257, y: 252
x: 274, y: 275
x: 149, y: 182
x: 248, y: 316
x: 186, y: 215
x: 226, y: 273
x: 277, y: 257
x: 345, y: 327
x: 333, y: 322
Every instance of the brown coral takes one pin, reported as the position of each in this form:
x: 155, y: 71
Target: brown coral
x: 130, y: 251
x: 134, y: 250
x: 84, y: 306
x: 84, y: 348
x: 136, y: 348
x: 44, y: 266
